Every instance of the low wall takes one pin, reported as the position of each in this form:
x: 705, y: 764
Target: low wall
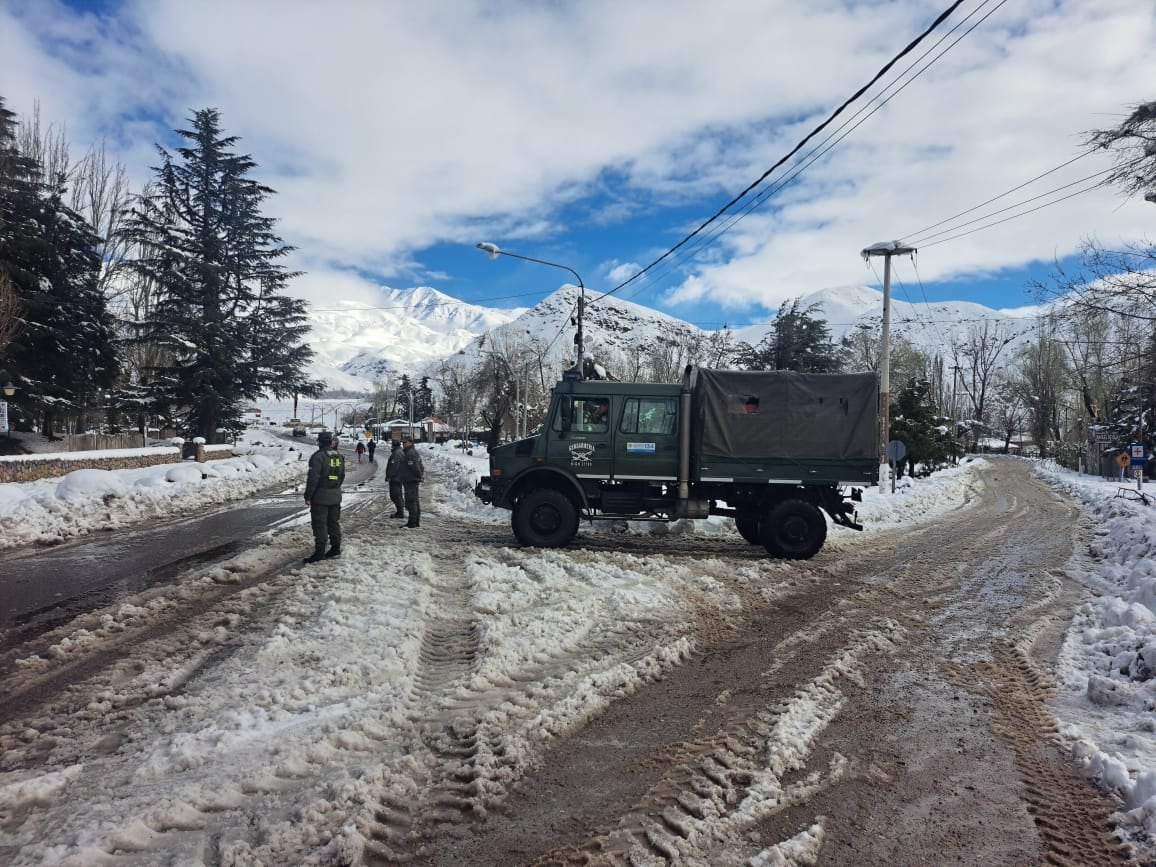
x: 29, y: 468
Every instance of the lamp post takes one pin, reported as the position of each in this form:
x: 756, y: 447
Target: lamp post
x: 495, y: 252
x: 8, y: 387
x: 886, y: 249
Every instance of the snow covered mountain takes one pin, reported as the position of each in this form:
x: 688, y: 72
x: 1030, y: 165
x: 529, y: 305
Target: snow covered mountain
x: 933, y: 327
x: 414, y: 330
x: 611, y: 326
x: 410, y: 329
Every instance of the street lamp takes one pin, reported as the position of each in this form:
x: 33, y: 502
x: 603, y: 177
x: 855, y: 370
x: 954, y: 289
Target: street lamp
x: 7, y: 385
x: 494, y: 252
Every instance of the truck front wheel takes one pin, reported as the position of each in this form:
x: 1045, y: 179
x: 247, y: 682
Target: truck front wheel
x: 545, y: 518
x: 794, y: 529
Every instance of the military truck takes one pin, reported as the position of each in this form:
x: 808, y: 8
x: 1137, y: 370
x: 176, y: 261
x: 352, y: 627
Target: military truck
x: 773, y: 450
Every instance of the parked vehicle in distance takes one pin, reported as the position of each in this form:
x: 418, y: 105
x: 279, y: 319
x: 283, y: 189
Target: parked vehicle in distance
x: 298, y: 427
x: 767, y: 448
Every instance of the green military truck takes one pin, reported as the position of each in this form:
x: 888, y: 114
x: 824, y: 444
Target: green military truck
x: 771, y: 449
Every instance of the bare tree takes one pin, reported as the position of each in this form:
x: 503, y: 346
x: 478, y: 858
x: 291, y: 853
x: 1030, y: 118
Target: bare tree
x: 100, y: 193
x: 863, y: 349
x: 665, y: 359
x: 454, y: 381
x: 977, y: 357
x: 1133, y: 145
x: 1041, y: 381
x: 48, y: 146
x: 1120, y: 283
x: 718, y: 350
x: 1009, y: 410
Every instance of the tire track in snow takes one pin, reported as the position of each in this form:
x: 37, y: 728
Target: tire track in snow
x: 479, y: 729
x: 698, y: 812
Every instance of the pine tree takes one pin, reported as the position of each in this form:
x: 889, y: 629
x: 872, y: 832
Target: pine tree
x: 401, y: 403
x: 916, y: 424
x: 423, y: 406
x: 64, y: 355
x: 228, y: 333
x: 798, y: 340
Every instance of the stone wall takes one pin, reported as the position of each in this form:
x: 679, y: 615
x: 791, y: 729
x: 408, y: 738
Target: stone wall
x: 29, y: 468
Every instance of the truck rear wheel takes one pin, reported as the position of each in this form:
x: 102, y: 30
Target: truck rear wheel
x: 794, y: 529
x: 748, y: 527
x: 545, y: 518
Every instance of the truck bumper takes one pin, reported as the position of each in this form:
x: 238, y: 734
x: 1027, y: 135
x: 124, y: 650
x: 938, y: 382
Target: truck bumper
x: 484, y: 491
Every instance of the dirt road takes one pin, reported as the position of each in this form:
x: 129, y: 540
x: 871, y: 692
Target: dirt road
x: 889, y: 708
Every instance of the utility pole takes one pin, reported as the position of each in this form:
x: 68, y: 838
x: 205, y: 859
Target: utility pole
x: 886, y: 249
x: 1140, y: 421
x: 954, y: 401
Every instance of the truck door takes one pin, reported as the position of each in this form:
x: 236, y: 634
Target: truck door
x: 583, y: 425
x: 646, y: 440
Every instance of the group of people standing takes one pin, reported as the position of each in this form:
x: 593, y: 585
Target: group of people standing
x: 404, y: 472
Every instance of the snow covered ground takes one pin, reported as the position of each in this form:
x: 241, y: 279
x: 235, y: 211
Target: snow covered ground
x: 323, y: 679
x: 85, y: 500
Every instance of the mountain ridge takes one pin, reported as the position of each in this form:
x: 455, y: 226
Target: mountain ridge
x: 416, y: 330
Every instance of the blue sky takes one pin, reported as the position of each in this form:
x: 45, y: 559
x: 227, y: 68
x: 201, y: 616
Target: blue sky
x: 598, y: 134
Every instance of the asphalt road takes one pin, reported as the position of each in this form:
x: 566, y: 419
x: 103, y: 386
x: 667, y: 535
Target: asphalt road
x: 41, y: 587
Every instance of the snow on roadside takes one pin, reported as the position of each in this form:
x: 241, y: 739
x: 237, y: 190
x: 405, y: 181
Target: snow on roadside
x: 52, y: 510
x: 1107, y: 667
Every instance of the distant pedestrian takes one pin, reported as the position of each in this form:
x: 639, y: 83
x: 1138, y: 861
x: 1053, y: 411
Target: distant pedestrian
x: 392, y: 466
x: 323, y: 497
x: 372, y: 448
x: 412, y: 473
x: 360, y: 450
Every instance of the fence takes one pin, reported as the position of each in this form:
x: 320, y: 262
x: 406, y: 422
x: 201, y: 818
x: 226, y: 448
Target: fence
x: 100, y: 442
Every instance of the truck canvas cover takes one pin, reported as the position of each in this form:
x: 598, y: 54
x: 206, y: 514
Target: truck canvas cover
x: 751, y: 414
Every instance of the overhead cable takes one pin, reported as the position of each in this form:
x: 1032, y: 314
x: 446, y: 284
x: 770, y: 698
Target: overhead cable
x: 911, y: 46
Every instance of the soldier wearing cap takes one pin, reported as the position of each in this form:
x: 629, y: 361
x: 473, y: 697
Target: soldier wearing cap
x: 323, y: 497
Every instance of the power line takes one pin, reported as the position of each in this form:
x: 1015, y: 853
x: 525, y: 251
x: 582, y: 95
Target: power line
x: 814, y: 132
x: 1013, y: 216
x: 996, y: 198
x: 824, y: 146
x: 875, y: 105
x: 925, y: 241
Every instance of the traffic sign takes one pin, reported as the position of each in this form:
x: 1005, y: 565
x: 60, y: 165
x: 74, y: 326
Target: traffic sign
x: 1122, y: 459
x: 896, y: 451
x: 1137, y: 450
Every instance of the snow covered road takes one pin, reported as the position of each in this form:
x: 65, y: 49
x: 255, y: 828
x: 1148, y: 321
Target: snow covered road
x: 438, y: 696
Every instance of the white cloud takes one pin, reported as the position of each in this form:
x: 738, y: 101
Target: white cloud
x: 387, y: 127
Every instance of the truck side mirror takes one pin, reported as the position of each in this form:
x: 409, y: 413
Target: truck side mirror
x: 566, y: 414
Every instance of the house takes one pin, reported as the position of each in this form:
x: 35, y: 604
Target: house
x: 429, y: 429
